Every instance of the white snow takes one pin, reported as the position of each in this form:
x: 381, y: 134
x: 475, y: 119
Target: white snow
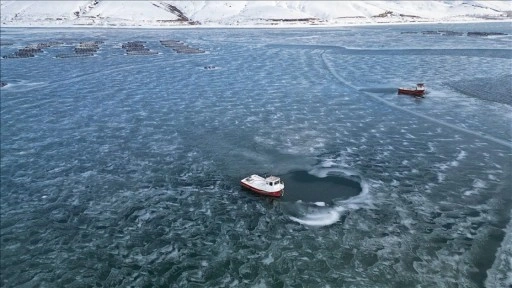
x: 135, y: 11
x: 245, y: 13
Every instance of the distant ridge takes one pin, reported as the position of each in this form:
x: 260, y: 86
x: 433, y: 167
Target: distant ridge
x: 246, y: 13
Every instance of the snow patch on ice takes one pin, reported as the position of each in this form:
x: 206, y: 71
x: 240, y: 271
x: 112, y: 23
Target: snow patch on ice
x: 462, y: 155
x: 269, y: 259
x: 440, y: 177
x: 477, y: 183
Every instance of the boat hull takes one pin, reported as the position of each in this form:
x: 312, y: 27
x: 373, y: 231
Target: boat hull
x: 412, y: 92
x: 278, y: 193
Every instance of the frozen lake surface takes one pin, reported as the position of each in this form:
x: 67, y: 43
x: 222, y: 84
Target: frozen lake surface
x: 121, y: 157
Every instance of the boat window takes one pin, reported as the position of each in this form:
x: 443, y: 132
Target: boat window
x: 271, y: 183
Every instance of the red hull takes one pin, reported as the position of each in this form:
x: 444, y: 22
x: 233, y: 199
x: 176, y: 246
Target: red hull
x: 412, y: 92
x: 261, y: 192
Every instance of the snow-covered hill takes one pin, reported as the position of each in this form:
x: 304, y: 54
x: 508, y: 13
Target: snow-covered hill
x: 245, y: 13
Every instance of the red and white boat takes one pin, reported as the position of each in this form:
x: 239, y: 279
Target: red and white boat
x: 270, y: 186
x: 417, y: 91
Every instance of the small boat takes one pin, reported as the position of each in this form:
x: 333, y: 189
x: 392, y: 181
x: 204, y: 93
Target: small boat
x: 270, y: 186
x: 417, y: 91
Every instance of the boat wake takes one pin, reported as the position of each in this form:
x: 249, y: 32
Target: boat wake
x: 319, y: 218
x: 386, y: 90
x: 22, y: 85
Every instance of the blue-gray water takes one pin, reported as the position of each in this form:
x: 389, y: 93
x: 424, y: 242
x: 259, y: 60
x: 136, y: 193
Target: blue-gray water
x: 123, y: 170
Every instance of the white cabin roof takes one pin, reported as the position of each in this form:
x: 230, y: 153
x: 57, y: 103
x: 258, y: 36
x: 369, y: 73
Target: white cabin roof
x: 272, y: 178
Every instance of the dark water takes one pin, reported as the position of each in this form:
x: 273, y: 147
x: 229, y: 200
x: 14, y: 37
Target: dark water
x: 306, y: 187
x: 123, y: 170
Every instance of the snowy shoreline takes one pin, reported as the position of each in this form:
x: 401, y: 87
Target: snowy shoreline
x: 246, y: 14
x: 250, y: 26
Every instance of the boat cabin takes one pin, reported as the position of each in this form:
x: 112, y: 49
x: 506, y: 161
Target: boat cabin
x: 273, y: 180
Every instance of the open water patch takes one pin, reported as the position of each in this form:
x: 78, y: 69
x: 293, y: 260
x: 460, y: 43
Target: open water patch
x: 303, y: 186
x: 496, y: 89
